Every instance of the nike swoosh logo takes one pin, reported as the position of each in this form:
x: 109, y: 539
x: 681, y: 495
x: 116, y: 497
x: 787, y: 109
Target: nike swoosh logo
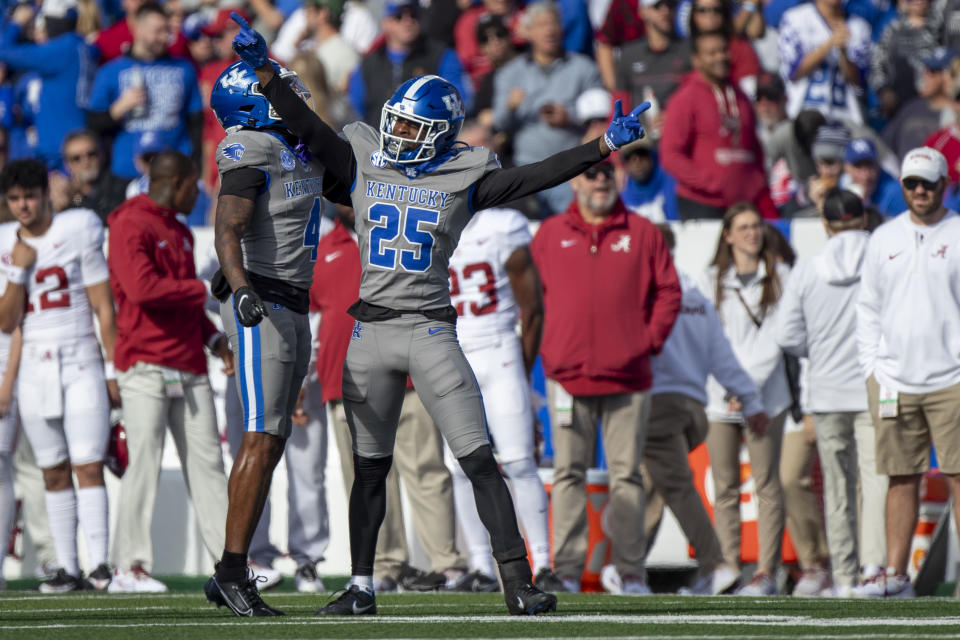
x: 433, y: 331
x: 162, y: 244
x: 360, y: 610
x: 894, y: 255
x: 330, y: 257
x: 567, y: 243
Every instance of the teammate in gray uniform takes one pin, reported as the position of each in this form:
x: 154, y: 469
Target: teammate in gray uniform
x: 414, y: 188
x: 267, y: 230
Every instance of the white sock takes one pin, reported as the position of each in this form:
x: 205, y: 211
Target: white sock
x: 7, y: 504
x: 95, y: 522
x: 474, y: 533
x: 530, y: 499
x: 364, y: 582
x: 62, y: 512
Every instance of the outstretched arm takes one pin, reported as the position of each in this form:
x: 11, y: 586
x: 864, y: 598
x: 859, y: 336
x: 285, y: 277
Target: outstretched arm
x: 331, y: 150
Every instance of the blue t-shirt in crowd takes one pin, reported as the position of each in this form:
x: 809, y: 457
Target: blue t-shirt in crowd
x: 65, y: 66
x: 172, y: 96
x: 657, y: 193
x: 888, y: 196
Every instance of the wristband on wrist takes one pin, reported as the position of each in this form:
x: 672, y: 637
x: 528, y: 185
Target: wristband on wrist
x: 15, y: 274
x: 109, y: 372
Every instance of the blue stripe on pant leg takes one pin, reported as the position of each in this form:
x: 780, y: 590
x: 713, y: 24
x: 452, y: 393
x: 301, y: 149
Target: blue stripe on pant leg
x: 257, y: 378
x: 241, y: 373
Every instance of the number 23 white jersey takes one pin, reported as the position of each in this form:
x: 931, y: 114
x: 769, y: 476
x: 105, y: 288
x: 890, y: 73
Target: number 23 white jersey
x: 479, y: 286
x: 69, y: 259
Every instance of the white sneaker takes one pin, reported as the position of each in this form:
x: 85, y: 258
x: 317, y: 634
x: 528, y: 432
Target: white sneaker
x: 838, y: 591
x: 812, y: 582
x: 885, y: 585
x: 136, y: 580
x: 761, y: 585
x: 266, y: 577
x: 613, y: 583
x: 307, y: 580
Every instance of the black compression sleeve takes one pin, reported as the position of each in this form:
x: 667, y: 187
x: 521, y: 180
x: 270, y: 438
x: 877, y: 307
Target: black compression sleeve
x: 503, y: 185
x: 243, y: 182
x: 331, y: 150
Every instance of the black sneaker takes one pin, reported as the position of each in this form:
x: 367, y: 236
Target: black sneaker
x: 527, y: 600
x: 242, y: 597
x: 100, y: 577
x: 413, y: 579
x: 353, y: 602
x: 548, y: 581
x: 62, y: 582
x: 476, y: 582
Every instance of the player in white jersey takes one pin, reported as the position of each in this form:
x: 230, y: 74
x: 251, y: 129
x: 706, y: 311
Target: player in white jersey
x: 493, y: 285
x: 56, y: 276
x: 9, y: 362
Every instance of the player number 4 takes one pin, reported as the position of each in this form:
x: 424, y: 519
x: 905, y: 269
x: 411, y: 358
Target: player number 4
x: 311, y: 235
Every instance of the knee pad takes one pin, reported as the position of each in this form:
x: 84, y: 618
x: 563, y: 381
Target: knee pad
x: 479, y: 465
x: 371, y: 470
x: 523, y: 468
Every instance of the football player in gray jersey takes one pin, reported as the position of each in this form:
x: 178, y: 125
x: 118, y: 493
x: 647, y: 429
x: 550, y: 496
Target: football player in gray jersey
x: 413, y: 188
x: 266, y: 235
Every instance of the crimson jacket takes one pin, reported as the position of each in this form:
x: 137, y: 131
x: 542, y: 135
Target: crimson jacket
x: 611, y: 296
x: 710, y: 145
x: 160, y: 314
x: 336, y: 286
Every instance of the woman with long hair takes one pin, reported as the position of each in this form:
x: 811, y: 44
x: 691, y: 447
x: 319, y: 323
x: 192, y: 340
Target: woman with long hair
x: 745, y: 281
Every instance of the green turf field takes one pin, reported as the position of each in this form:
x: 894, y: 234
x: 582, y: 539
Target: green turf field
x: 185, y: 614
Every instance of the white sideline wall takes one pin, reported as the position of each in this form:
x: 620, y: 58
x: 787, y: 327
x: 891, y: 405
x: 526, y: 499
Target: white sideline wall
x: 178, y: 548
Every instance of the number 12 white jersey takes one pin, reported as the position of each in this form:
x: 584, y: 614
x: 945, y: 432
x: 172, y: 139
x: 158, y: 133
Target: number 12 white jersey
x: 479, y: 287
x: 69, y: 259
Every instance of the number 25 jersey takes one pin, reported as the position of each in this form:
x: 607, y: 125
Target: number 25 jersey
x: 408, y: 228
x: 479, y: 286
x: 69, y: 259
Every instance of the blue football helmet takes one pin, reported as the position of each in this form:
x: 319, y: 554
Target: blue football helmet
x: 237, y: 102
x: 432, y: 104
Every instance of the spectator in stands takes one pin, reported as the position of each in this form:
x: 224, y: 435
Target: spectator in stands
x: 332, y: 106
x: 824, y: 57
x: 621, y: 24
x: 827, y: 151
x: 64, y: 63
x: 117, y: 39
x: 92, y: 185
x: 947, y: 14
x: 911, y: 270
x: 922, y: 115
x: 466, y: 34
x: 695, y: 349
x: 145, y: 149
x: 497, y: 47
x: 771, y: 107
x: 792, y: 141
x: 817, y: 320
x: 717, y: 15
x: 599, y: 334
x: 710, y: 142
x: 534, y: 97
x: 324, y: 40
x: 198, y: 39
x: 652, y: 68
x: 648, y: 189
x: 147, y: 90
x: 403, y: 54
x: 162, y: 329
x: 744, y: 282
x: 896, y: 61
x: 863, y: 175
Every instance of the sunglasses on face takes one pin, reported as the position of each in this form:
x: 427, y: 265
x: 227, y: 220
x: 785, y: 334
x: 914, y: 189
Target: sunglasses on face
x: 81, y: 156
x: 593, y: 172
x: 911, y: 183
x: 492, y: 35
x: 716, y: 10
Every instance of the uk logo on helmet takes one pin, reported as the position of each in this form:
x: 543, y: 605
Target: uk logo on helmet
x: 234, y: 78
x: 234, y: 151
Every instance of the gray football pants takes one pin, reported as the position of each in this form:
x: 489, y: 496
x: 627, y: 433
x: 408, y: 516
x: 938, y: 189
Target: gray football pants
x: 306, y: 457
x: 380, y: 356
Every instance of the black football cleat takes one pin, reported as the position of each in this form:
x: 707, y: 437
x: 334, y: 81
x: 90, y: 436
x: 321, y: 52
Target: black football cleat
x: 242, y: 597
x: 476, y: 582
x: 548, y: 581
x: 62, y: 582
x: 353, y: 602
x: 527, y: 600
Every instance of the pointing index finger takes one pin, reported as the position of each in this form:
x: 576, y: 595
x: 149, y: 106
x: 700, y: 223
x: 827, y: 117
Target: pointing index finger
x: 240, y: 20
x: 640, y: 109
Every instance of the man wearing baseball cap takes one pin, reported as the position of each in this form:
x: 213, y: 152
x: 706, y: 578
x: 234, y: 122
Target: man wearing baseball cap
x: 908, y: 339
x: 863, y: 175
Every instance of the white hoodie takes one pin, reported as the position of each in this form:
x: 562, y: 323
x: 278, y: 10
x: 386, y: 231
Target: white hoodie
x: 756, y: 349
x: 908, y: 311
x: 817, y: 319
x: 698, y: 348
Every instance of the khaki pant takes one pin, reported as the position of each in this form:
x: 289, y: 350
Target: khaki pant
x: 723, y: 444
x: 623, y: 418
x: 845, y: 441
x: 677, y: 425
x: 418, y: 457
x: 804, y: 520
x: 147, y: 412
